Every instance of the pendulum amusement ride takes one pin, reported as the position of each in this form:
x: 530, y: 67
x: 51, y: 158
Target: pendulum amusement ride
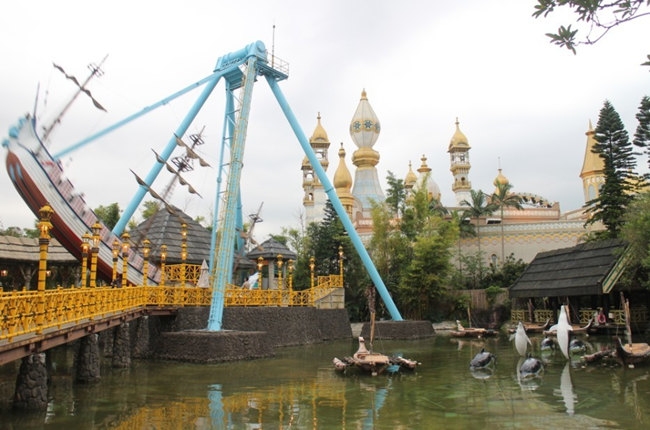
x: 37, y: 174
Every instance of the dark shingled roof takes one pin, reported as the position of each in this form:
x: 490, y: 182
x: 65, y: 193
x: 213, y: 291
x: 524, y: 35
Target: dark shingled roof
x: 164, y: 228
x: 590, y: 268
x: 269, y: 250
x: 26, y: 249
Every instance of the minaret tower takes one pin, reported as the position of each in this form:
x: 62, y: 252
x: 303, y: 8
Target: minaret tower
x: 343, y: 183
x: 315, y: 197
x: 364, y: 130
x: 459, y: 156
x: 593, y: 168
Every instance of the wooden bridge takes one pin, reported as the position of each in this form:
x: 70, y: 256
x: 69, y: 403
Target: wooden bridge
x: 32, y: 321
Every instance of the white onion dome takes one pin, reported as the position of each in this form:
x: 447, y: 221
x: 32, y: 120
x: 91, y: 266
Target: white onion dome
x: 364, y: 127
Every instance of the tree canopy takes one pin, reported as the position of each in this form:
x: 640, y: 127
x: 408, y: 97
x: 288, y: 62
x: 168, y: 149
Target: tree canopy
x: 109, y: 214
x: 599, y: 16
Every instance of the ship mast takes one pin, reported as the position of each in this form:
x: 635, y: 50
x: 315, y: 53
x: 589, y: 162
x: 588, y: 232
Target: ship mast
x: 95, y: 70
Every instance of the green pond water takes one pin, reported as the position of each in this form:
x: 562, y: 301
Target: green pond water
x: 298, y: 389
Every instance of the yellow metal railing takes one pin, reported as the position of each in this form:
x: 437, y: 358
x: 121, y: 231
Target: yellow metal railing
x: 174, y: 273
x: 34, y: 312
x: 540, y: 315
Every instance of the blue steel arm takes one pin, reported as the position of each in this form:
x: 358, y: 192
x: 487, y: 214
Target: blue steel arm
x: 136, y: 115
x: 166, y: 153
x: 331, y: 193
x: 227, y: 237
x: 225, y: 64
x: 226, y: 136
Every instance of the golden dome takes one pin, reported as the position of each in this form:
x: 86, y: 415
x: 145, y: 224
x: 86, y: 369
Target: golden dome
x: 458, y: 140
x: 342, y: 176
x: 425, y: 178
x: 411, y: 178
x: 319, y: 133
x: 500, y: 179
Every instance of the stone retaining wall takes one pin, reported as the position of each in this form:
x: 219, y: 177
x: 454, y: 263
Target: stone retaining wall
x: 399, y: 330
x: 246, y: 333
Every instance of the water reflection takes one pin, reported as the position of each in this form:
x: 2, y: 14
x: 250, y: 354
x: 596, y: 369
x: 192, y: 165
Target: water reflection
x: 299, y: 389
x: 566, y: 390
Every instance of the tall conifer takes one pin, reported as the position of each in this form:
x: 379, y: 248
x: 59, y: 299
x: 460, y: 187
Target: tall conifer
x: 642, y: 134
x: 614, y: 147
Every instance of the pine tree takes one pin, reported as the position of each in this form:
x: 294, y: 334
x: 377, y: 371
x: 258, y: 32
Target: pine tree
x: 642, y: 134
x: 395, y: 194
x: 324, y: 240
x: 614, y: 147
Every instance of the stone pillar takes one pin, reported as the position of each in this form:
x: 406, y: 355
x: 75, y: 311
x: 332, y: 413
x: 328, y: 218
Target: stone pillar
x: 31, y: 384
x: 141, y: 343
x: 88, y: 360
x: 106, y: 338
x: 122, y: 346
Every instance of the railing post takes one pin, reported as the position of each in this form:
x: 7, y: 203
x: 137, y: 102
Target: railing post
x: 280, y: 262
x: 183, y: 252
x: 260, y: 265
x: 94, y: 250
x: 146, y: 249
x: 44, y: 226
x: 290, y: 267
x: 85, y: 245
x: 341, y: 263
x: 116, y: 253
x: 163, y: 260
x: 125, y: 258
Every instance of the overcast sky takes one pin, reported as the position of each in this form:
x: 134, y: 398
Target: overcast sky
x: 521, y: 101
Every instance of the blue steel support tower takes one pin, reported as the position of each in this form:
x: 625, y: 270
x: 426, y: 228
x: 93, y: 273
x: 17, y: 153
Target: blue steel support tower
x: 239, y: 69
x: 257, y: 64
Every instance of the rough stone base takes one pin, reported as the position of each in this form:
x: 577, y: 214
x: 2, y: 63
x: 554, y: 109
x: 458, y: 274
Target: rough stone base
x: 399, y: 329
x: 202, y: 346
x: 31, y: 384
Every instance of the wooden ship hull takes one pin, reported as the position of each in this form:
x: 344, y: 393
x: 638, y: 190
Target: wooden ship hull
x: 473, y: 332
x: 533, y: 328
x: 40, y: 181
x: 373, y: 363
x: 632, y: 353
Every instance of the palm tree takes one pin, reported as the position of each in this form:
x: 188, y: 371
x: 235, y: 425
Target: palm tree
x: 503, y: 198
x: 478, y: 207
x: 465, y: 229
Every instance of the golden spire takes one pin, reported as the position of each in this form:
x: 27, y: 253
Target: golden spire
x: 500, y: 179
x: 342, y: 176
x: 343, y: 183
x: 592, y: 162
x: 411, y: 178
x: 593, y: 168
x: 458, y: 140
x: 424, y: 168
x: 319, y: 133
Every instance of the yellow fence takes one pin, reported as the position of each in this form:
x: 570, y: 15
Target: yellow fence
x: 174, y: 273
x: 34, y: 312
